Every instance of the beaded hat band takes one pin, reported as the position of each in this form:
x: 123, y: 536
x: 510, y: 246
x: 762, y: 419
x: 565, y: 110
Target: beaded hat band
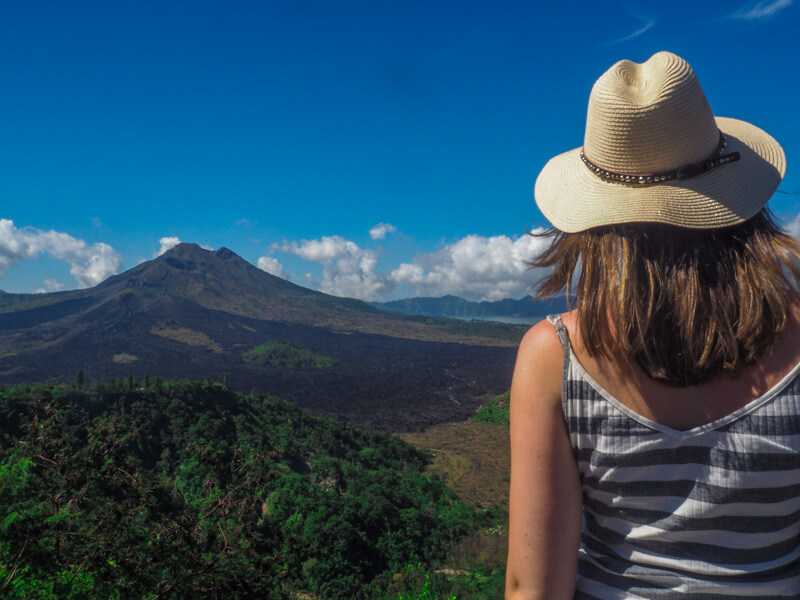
x: 717, y: 159
x: 654, y: 152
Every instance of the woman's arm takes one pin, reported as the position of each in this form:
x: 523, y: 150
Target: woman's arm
x: 545, y: 497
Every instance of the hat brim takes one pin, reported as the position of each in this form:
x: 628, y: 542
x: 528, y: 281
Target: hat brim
x: 573, y: 198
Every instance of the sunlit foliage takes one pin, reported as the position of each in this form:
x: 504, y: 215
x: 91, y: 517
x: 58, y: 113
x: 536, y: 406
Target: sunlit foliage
x: 188, y: 490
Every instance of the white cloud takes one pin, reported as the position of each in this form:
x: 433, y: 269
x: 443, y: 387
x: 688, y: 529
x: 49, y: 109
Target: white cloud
x: 98, y: 266
x: 474, y: 267
x: 761, y: 10
x: 648, y: 23
x: 166, y: 244
x: 348, y: 270
x: 16, y: 245
x: 380, y: 230
x: 89, y: 264
x: 272, y: 266
x: 324, y: 250
x: 53, y: 286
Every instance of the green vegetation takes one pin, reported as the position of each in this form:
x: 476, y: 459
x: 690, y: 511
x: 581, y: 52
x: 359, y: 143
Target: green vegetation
x: 157, y: 489
x: 285, y: 355
x: 496, y: 411
x: 415, y: 582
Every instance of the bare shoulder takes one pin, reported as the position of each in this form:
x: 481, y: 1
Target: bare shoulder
x: 541, y: 343
x: 537, y: 373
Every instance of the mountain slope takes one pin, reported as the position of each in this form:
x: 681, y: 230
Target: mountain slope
x: 453, y: 306
x: 193, y: 313
x: 223, y: 281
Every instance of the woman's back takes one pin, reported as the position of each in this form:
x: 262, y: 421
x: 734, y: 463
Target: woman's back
x: 686, y: 408
x: 707, y: 510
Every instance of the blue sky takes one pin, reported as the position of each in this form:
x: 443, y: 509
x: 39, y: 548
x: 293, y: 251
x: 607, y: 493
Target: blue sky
x: 370, y: 149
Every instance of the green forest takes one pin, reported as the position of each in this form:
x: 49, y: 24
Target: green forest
x: 152, y: 489
x: 285, y: 355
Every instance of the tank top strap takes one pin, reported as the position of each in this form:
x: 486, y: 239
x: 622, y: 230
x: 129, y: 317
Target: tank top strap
x: 563, y: 336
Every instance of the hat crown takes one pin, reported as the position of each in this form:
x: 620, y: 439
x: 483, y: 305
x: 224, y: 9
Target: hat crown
x: 649, y: 117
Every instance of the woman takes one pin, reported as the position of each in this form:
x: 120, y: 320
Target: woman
x: 655, y: 429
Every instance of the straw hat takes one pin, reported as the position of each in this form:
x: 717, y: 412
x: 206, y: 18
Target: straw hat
x: 654, y: 152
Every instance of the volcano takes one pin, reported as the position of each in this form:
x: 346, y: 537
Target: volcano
x: 193, y: 313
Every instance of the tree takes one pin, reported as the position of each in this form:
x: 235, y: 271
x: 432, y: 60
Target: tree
x: 199, y: 492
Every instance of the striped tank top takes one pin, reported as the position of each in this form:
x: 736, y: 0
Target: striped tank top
x: 708, y: 513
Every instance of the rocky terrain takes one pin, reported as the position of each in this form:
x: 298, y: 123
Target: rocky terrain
x: 193, y: 313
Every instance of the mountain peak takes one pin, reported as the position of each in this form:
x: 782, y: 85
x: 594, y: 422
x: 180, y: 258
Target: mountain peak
x: 186, y: 249
x: 187, y: 256
x: 190, y: 252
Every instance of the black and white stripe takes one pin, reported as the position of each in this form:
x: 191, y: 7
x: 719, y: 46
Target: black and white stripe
x: 708, y: 513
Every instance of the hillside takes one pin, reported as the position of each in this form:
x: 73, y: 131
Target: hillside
x: 215, y: 495
x: 222, y: 281
x: 193, y: 313
x: 452, y: 306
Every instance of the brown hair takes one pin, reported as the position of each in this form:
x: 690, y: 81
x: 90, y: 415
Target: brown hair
x: 686, y: 304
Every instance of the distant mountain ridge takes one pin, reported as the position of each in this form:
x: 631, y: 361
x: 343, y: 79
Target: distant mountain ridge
x: 454, y: 306
x: 193, y: 313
